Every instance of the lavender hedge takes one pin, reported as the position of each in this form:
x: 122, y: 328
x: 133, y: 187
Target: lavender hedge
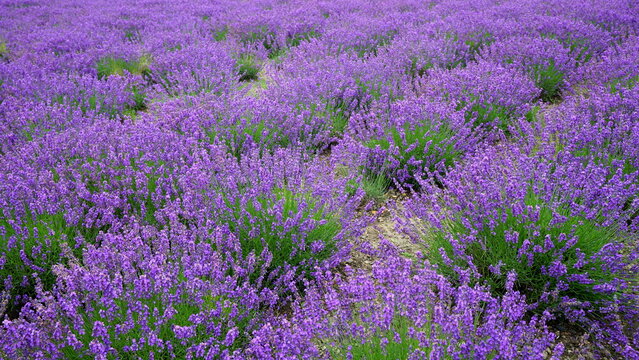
x: 196, y: 179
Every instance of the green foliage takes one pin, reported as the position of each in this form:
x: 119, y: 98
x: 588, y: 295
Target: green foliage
x: 400, y: 339
x: 611, y: 158
x: 110, y: 66
x: 533, y: 114
x: 486, y: 113
x: 30, y: 132
x: 549, y: 79
x: 339, y: 109
x: 580, y: 50
x: 339, y: 121
x: 264, y: 37
x: 132, y: 35
x: 276, y: 53
x: 4, y: 51
x: 374, y: 185
x: 297, y: 39
x: 176, y: 47
x: 335, y: 112
x: 373, y: 44
x: 477, y: 43
x: 338, y: 115
x: 259, y: 225
x: 139, y: 99
x: 88, y: 102
x: 135, y: 325
x: 221, y: 34
x: 248, y: 67
x: 493, y: 247
x: 142, y: 188
x: 415, y: 70
x: 578, y: 47
x: 145, y: 208
x: 370, y: 91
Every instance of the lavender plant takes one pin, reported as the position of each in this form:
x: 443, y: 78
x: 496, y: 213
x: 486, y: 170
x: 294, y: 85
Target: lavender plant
x: 158, y: 309
x: 491, y: 95
x: 617, y: 67
x: 600, y: 130
x: 567, y: 241
x: 406, y: 312
x: 420, y: 138
x: 53, y: 193
x: 551, y: 66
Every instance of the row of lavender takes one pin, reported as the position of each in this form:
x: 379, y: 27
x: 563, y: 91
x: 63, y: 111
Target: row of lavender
x: 188, y: 179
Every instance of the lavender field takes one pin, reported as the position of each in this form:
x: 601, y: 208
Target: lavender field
x: 319, y: 179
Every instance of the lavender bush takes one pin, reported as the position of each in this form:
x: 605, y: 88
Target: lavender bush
x: 570, y: 243
x: 490, y: 94
x: 406, y: 312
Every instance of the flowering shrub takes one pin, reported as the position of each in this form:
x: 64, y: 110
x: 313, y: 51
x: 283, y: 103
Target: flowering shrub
x: 141, y: 303
x: 193, y: 70
x: 617, y: 69
x: 408, y: 312
x: 69, y: 187
x: 601, y: 131
x: 416, y: 138
x: 567, y: 241
x: 288, y: 214
x: 490, y: 95
x: 546, y: 61
x: 244, y: 124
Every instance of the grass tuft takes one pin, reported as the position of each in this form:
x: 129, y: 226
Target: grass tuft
x: 248, y: 67
x: 549, y: 79
x: 110, y: 66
